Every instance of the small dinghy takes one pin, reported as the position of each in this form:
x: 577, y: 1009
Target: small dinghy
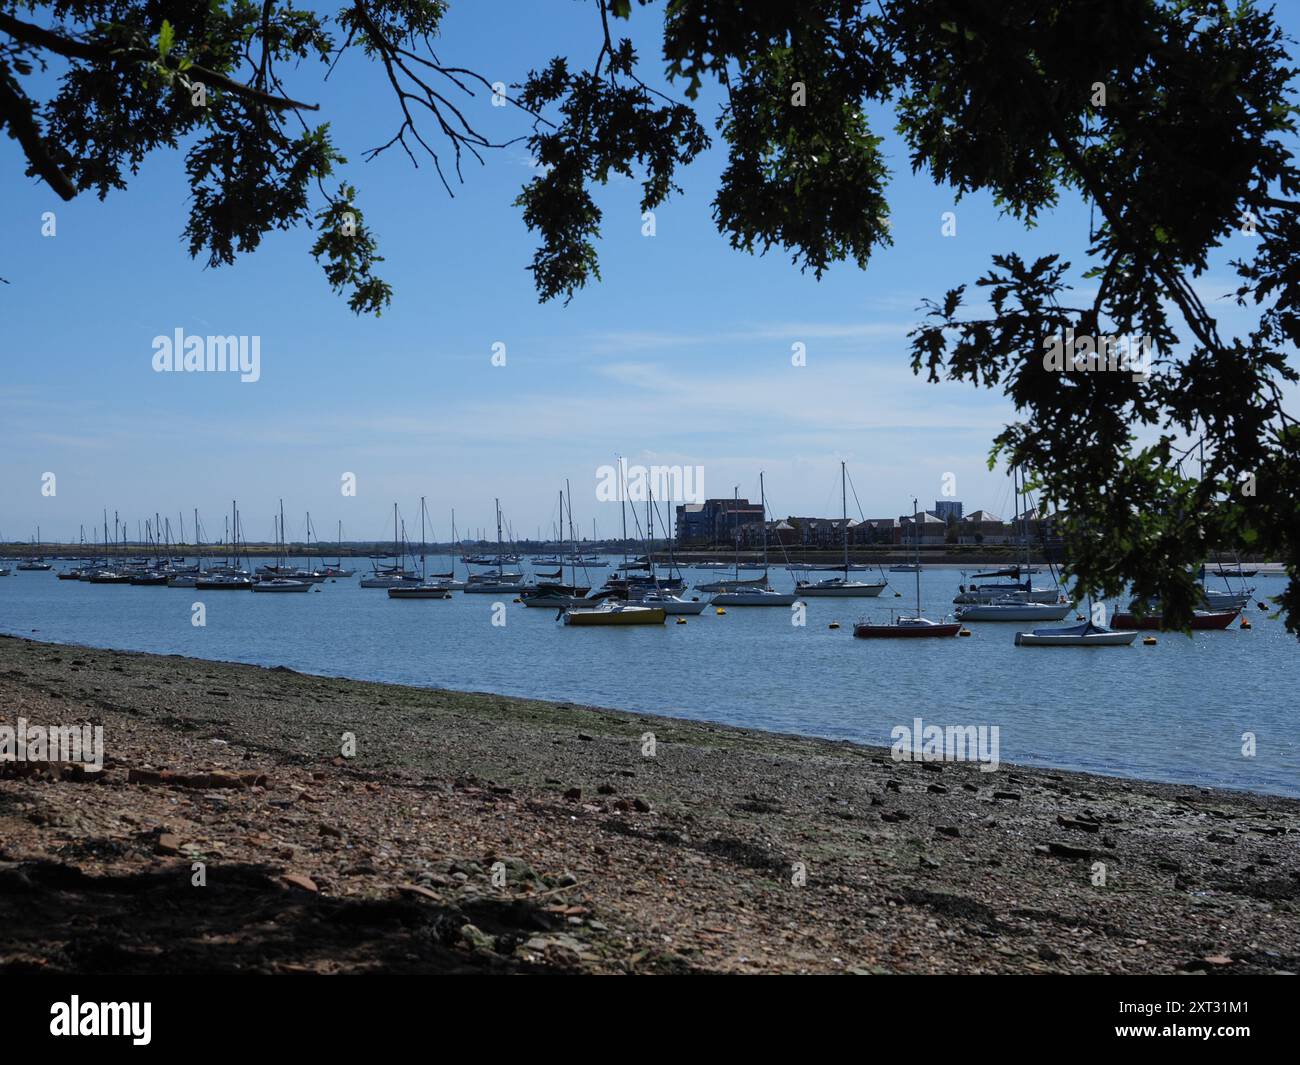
x: 1085, y: 635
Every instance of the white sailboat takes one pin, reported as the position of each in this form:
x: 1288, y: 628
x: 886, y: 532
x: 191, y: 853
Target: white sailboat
x: 394, y: 576
x: 38, y: 563
x: 908, y: 626
x: 424, y: 589
x: 841, y: 587
x: 273, y: 582
x: 655, y: 593
x: 1017, y: 606
x: 760, y: 595
x: 499, y: 582
x: 1085, y: 635
x: 1014, y: 609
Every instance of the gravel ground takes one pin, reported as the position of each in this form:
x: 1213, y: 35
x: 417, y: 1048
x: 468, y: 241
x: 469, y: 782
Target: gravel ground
x: 230, y: 831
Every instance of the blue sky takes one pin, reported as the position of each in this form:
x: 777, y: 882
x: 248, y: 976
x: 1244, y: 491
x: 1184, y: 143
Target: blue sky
x: 681, y: 355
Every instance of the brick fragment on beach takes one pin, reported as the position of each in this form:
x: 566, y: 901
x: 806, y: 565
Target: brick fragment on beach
x: 218, y: 778
x: 168, y: 843
x: 300, y: 881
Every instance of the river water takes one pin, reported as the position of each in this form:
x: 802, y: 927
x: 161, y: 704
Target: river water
x: 1177, y: 711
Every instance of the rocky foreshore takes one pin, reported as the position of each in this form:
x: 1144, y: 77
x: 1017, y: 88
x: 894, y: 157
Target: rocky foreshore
x: 261, y: 820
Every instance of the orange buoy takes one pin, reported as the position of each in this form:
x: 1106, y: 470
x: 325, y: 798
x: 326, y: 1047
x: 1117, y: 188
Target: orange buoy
x: 719, y: 611
x: 1245, y: 623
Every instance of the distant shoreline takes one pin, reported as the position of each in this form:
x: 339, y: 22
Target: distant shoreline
x: 961, y: 557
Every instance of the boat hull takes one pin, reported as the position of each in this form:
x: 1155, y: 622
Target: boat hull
x: 628, y: 615
x: 754, y: 599
x: 865, y: 631
x: 555, y: 600
x: 1020, y: 612
x: 727, y: 586
x: 419, y: 593
x: 1073, y: 638
x: 1206, y: 619
x: 1218, y: 601
x: 852, y: 590
x: 689, y: 607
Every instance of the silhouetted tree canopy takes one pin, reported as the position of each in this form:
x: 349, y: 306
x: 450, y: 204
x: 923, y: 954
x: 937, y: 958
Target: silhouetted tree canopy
x: 1173, y: 120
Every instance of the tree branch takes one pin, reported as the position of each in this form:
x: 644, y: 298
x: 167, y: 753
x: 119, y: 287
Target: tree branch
x: 16, y: 110
x: 99, y: 52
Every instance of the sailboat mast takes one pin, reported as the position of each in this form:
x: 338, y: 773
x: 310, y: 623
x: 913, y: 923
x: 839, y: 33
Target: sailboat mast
x: 452, y: 551
x: 573, y: 565
x: 916, y: 545
x: 650, y: 530
x: 735, y: 525
x: 762, y: 496
x: 844, y: 508
x: 622, y: 506
x: 500, y: 564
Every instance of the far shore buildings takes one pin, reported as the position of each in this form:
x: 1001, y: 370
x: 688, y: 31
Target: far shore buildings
x: 714, y: 521
x: 717, y: 523
x: 982, y: 527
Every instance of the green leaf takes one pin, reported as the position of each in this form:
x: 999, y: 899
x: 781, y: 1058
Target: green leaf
x: 166, y: 38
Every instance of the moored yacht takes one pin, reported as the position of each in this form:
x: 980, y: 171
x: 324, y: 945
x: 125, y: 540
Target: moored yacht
x: 1085, y: 635
x: 281, y: 584
x: 906, y: 626
x: 1013, y: 608
x: 841, y: 587
x: 613, y: 612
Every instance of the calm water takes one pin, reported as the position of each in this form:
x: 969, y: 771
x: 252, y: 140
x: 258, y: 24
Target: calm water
x: 1173, y: 712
